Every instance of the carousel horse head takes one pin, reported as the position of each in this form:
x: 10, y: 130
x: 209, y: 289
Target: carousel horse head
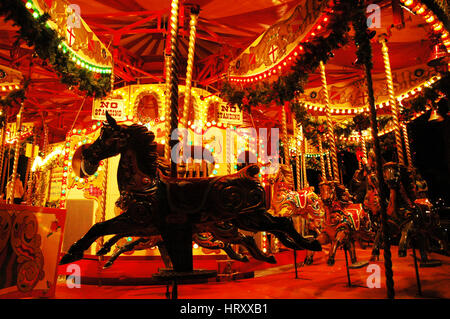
x: 315, y: 211
x: 372, y: 198
x: 327, y: 192
x: 114, y: 139
x: 396, y: 174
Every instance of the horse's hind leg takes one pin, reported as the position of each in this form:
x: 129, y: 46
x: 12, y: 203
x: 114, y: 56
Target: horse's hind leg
x: 215, y: 244
x: 107, y: 246
x: 234, y: 255
x: 249, y: 243
x: 404, y: 239
x: 127, y: 247
x: 118, y: 225
x: 281, y: 227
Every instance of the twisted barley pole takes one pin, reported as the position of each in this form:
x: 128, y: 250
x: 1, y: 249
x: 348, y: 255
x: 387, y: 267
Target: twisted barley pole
x: 190, y: 62
x: 363, y: 146
x: 305, y: 150
x: 331, y: 137
x: 173, y: 84
x: 407, y: 146
x: 12, y: 186
x: 322, y: 160
x: 392, y: 101
x: 284, y: 136
x: 297, y: 151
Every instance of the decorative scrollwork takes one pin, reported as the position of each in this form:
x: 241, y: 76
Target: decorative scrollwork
x: 26, y: 243
x: 5, y: 229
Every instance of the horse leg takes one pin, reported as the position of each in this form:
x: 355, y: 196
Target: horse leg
x: 376, y: 246
x: 118, y: 225
x: 323, y: 239
x: 250, y: 244
x: 281, y: 227
x: 232, y: 235
x: 127, y: 247
x: 107, y: 246
x: 215, y: 244
x: 234, y: 255
x: 404, y: 239
x: 341, y: 237
x: 352, y: 251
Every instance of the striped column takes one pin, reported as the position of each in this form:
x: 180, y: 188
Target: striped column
x: 392, y: 101
x: 331, y: 136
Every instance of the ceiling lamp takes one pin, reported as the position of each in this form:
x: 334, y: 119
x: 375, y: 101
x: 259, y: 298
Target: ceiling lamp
x: 435, y: 116
x: 436, y: 59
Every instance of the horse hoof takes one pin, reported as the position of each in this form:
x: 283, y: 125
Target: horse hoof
x: 271, y: 260
x: 245, y: 259
x: 107, y: 265
x: 330, y: 262
x: 402, y: 253
x: 70, y: 258
x: 374, y: 258
x: 308, y: 261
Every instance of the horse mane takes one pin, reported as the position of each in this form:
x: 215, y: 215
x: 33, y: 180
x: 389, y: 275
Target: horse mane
x: 143, y: 142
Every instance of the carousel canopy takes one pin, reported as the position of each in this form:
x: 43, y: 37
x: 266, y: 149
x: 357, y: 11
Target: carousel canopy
x: 264, y: 32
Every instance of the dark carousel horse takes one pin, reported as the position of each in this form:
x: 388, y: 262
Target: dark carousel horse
x: 344, y: 222
x: 175, y: 208
x: 410, y: 221
x: 229, y: 233
x: 365, y: 190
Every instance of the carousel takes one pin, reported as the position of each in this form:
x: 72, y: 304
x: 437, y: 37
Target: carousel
x: 214, y: 150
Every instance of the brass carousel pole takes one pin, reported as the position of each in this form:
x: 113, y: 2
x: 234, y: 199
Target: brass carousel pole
x: 297, y: 153
x: 173, y: 84
x: 407, y: 146
x: 363, y: 146
x: 305, y: 151
x: 322, y: 160
x: 331, y: 136
x: 392, y: 101
x: 2, y: 148
x: 190, y: 62
x: 10, y: 198
x: 284, y: 132
x: 30, y: 177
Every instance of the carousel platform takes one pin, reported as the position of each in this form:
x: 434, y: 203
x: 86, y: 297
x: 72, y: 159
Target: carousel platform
x: 317, y: 281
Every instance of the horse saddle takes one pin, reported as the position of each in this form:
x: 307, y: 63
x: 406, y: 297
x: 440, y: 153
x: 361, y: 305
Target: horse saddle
x: 215, y: 197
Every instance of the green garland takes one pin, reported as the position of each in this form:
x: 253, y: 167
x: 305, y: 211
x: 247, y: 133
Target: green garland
x: 45, y: 41
x: 286, y: 87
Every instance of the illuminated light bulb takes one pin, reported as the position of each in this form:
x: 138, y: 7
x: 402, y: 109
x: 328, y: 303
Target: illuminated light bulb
x: 444, y: 35
x: 28, y: 5
x: 430, y: 19
x: 313, y: 34
x: 409, y: 2
x: 437, y: 26
x: 319, y: 27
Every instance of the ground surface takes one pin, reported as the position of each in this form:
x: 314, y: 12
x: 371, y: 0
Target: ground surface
x: 317, y: 281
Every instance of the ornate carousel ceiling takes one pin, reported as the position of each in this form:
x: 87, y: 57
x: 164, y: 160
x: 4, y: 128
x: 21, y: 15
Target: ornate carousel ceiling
x: 135, y: 31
